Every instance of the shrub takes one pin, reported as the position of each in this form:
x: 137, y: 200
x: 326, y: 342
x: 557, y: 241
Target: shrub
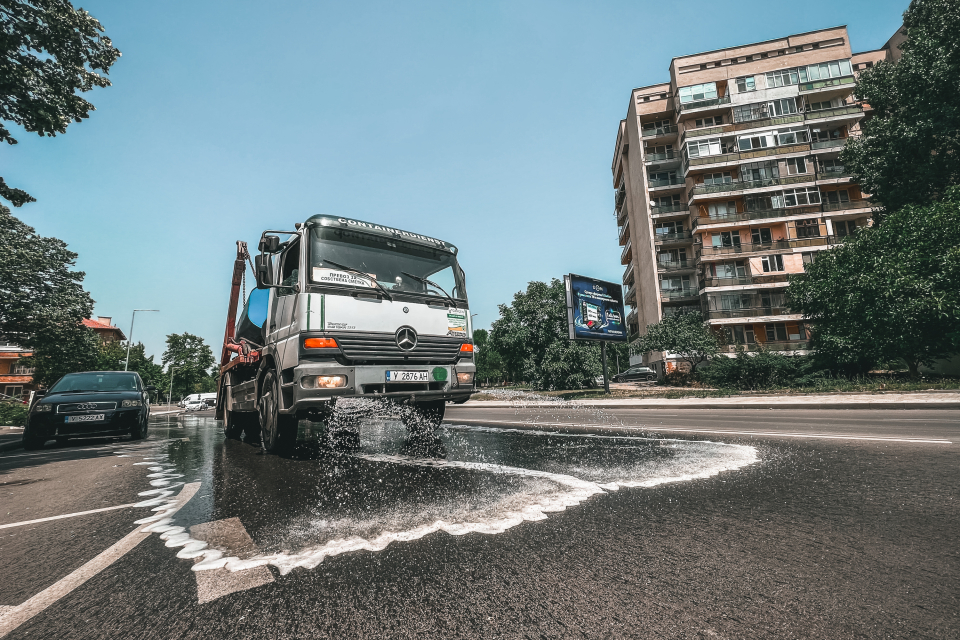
x: 760, y: 370
x: 13, y: 414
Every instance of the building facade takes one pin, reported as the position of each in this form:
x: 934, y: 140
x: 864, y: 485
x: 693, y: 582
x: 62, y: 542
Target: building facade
x: 728, y: 180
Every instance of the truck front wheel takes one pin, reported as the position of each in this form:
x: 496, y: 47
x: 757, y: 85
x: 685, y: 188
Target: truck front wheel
x: 276, y: 429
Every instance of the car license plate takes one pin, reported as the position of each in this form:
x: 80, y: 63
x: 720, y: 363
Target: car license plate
x: 90, y: 417
x: 407, y: 376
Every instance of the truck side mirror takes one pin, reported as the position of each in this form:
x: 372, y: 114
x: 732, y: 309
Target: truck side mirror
x: 269, y: 244
x: 262, y: 264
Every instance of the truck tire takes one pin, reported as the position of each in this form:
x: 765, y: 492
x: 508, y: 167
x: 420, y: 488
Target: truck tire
x: 277, y: 430
x: 424, y: 417
x: 232, y: 425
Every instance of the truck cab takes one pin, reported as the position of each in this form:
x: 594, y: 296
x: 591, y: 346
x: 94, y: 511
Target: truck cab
x: 349, y: 309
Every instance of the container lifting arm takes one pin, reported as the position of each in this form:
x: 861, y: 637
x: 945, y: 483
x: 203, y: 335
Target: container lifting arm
x: 239, y: 266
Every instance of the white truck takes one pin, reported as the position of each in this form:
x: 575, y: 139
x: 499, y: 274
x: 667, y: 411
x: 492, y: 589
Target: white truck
x: 344, y: 309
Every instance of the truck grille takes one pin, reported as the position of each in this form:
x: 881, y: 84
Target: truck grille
x: 382, y: 348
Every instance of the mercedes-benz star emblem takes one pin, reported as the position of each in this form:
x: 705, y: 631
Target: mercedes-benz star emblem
x: 406, y: 338
x: 86, y: 405
x: 406, y: 309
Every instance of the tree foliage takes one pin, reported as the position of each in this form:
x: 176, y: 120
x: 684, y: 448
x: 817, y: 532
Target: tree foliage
x: 893, y: 291
x: 531, y: 340
x: 42, y: 303
x: 51, y: 51
x: 761, y: 369
x: 113, y: 355
x: 191, y: 358
x: 910, y: 149
x: 488, y: 361
x: 684, y: 334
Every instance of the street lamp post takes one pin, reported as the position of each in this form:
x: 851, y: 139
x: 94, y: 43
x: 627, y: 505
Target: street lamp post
x: 130, y: 337
x: 170, y: 395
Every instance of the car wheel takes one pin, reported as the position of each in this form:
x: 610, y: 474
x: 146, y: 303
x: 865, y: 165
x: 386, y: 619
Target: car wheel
x: 30, y: 442
x: 651, y: 378
x: 277, y: 430
x: 138, y: 432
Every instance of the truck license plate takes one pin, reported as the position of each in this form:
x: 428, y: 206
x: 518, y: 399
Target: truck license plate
x: 92, y: 417
x: 407, y: 376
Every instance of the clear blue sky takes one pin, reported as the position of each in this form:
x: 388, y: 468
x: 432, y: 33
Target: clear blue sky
x: 488, y: 124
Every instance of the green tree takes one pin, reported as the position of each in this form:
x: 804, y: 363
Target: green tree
x: 488, y: 360
x: 113, y: 356
x: 892, y: 291
x: 532, y: 341
x: 42, y: 303
x: 191, y: 358
x: 909, y: 152
x: 51, y: 52
x: 685, y: 335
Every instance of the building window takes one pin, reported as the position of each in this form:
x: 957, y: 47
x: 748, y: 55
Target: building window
x: 674, y: 256
x: 820, y: 106
x: 832, y: 166
x: 669, y: 228
x: 660, y: 126
x: 666, y: 202
x: 728, y: 270
x: 797, y: 166
x: 701, y: 148
x: 740, y: 334
x: 772, y: 263
x: 746, y: 83
x: 663, y: 148
x: 808, y: 228
x: 717, y: 178
x: 760, y: 110
x: 798, y: 197
x: 783, y: 77
x: 660, y: 178
x: 13, y: 391
x: 675, y: 283
x: 721, y: 209
x: 759, y: 171
x: 776, y: 332
x: 697, y: 92
x: 844, y: 228
x: 808, y: 257
x: 825, y: 70
x: 708, y: 122
x: 733, y: 301
x: 793, y: 136
x: 726, y: 239
x: 761, y: 236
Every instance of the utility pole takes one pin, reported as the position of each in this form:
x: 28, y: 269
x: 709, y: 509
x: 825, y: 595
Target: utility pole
x: 130, y: 337
x: 170, y: 395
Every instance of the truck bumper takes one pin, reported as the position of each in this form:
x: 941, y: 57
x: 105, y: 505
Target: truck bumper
x: 370, y: 382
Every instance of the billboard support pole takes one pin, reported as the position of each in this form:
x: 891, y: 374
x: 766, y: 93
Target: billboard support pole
x: 606, y: 380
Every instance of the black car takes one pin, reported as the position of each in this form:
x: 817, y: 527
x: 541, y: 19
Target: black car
x: 634, y: 374
x: 92, y: 403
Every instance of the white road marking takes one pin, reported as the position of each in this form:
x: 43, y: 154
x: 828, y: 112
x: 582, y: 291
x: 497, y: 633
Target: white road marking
x: 12, y: 618
x: 657, y: 429
x: 231, y: 535
x: 66, y: 515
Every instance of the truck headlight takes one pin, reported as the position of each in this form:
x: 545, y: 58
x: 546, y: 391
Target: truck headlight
x: 323, y: 382
x: 43, y: 408
x: 465, y: 377
x: 131, y: 403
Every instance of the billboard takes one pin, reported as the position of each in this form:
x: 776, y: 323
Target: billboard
x: 595, y: 309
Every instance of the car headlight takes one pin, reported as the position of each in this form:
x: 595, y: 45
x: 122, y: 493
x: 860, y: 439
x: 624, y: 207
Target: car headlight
x: 465, y: 377
x: 43, y: 408
x: 131, y: 403
x: 323, y: 382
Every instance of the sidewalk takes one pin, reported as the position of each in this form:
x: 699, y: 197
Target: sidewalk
x: 916, y: 400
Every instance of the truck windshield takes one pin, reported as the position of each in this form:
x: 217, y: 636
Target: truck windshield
x: 384, y: 260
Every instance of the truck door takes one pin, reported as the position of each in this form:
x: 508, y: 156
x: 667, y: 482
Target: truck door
x: 283, y: 318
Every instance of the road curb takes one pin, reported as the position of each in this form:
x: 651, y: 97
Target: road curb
x: 714, y: 406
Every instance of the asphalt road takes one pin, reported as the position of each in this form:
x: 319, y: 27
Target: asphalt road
x: 752, y: 533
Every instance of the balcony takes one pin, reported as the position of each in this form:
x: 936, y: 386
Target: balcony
x: 748, y: 313
x: 669, y: 211
x: 766, y: 278
x: 666, y: 182
x: 21, y: 370
x: 627, y: 256
x: 619, y: 198
x: 630, y: 297
x: 675, y: 265
x: 700, y: 105
x: 828, y: 144
x: 763, y: 214
x: 825, y: 85
x: 625, y: 233
x: 836, y: 112
x: 660, y: 132
x: 670, y: 295
x: 833, y: 175
x: 749, y: 247
x: 661, y: 157
x: 628, y: 275
x: 670, y: 238
x: 741, y: 126
x: 847, y: 206
x: 790, y: 345
x: 738, y: 185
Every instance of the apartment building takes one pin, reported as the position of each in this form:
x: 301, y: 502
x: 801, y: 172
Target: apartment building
x: 728, y: 180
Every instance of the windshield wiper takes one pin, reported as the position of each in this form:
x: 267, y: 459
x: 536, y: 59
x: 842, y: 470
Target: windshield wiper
x: 365, y: 275
x: 433, y: 284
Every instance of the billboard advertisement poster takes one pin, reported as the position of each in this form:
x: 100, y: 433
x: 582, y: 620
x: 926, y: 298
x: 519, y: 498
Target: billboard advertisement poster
x: 595, y: 309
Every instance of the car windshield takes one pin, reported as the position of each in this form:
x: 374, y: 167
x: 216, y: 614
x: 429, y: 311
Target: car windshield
x: 395, y: 265
x: 96, y: 381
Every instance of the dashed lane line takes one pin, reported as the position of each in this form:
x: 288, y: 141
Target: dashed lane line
x: 12, y: 618
x: 66, y: 515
